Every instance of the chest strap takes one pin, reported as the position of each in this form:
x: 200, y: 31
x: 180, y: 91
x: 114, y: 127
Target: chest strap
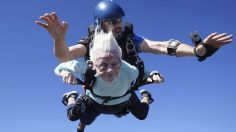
x: 108, y: 98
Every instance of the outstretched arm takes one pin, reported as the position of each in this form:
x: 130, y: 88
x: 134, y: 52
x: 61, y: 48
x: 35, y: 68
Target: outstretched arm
x: 160, y: 47
x: 57, y: 30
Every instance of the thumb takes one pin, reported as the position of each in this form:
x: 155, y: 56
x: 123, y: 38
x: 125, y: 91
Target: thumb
x: 65, y: 25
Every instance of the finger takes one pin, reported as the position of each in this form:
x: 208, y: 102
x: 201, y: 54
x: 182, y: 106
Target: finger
x: 41, y: 24
x: 155, y: 78
x: 219, y: 36
x: 64, y: 79
x: 70, y: 80
x: 54, y: 15
x: 74, y: 81
x: 65, y: 25
x: 50, y: 17
x: 45, y: 18
x: 221, y: 43
x: 159, y: 79
x: 228, y: 37
x: 211, y: 35
x: 162, y: 79
x: 149, y: 80
x: 227, y: 41
x: 45, y: 14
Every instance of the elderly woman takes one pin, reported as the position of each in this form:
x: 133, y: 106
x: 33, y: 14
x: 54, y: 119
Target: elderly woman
x: 113, y: 79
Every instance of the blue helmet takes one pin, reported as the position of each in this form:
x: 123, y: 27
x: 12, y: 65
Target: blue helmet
x: 107, y: 9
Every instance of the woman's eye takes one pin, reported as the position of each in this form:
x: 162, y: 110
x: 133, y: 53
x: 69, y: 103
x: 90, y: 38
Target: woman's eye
x: 103, y: 66
x: 114, y: 64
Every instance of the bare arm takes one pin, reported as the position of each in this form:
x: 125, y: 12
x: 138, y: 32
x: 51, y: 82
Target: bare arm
x: 160, y: 47
x: 57, y: 30
x: 64, y: 53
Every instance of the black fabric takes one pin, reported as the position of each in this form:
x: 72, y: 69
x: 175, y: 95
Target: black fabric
x: 83, y: 109
x: 87, y: 110
x: 197, y: 40
x: 209, y: 52
x: 137, y: 108
x: 89, y: 78
x: 171, y: 51
x: 110, y: 109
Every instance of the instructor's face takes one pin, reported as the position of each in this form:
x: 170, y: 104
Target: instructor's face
x: 114, y: 25
x: 108, y: 66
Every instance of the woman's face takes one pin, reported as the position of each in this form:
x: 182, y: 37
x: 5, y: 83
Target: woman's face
x: 107, y: 66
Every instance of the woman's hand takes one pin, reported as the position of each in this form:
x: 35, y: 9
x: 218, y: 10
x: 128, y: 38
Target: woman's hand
x: 68, y: 77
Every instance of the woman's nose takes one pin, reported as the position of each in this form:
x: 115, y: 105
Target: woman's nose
x: 110, y: 68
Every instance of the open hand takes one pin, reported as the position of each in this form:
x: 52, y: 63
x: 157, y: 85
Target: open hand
x: 217, y: 40
x: 68, y: 78
x: 52, y: 24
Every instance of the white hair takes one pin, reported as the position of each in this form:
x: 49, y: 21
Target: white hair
x: 104, y: 43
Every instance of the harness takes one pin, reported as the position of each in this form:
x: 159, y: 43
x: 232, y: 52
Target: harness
x: 129, y: 54
x: 89, y: 81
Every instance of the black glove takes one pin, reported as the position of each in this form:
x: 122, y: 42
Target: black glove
x: 197, y: 40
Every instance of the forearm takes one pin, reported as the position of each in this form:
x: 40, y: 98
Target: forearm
x: 202, y: 50
x: 155, y: 47
x: 61, y: 50
x: 184, y: 50
x: 161, y: 47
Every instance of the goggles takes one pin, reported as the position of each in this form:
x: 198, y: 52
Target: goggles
x: 112, y: 21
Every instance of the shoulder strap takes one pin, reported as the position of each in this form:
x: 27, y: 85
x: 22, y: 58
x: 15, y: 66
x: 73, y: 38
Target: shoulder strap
x: 128, y: 28
x: 132, y: 55
x: 91, y: 29
x: 89, y: 77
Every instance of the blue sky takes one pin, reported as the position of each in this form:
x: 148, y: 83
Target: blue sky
x: 196, y: 97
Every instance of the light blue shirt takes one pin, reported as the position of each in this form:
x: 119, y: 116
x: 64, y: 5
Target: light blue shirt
x: 116, y: 88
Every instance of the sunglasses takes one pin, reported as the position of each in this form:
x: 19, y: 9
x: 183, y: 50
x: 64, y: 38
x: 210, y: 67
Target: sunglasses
x: 112, y: 21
